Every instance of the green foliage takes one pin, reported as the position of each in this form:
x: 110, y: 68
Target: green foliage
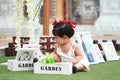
x: 47, y: 59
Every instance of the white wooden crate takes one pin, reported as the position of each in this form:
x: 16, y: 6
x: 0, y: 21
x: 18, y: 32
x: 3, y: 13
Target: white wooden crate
x: 14, y: 65
x: 55, y: 68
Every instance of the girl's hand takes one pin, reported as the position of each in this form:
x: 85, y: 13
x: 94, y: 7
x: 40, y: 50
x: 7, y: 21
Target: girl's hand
x: 74, y: 61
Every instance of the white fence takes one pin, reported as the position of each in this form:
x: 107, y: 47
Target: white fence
x: 98, y: 30
x: 11, y: 31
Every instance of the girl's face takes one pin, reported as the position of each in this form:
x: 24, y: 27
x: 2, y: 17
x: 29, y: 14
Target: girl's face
x: 59, y: 40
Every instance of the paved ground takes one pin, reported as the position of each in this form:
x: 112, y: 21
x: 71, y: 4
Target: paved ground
x: 5, y: 41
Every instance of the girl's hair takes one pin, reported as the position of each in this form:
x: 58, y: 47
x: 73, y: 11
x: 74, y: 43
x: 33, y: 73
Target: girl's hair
x: 62, y: 28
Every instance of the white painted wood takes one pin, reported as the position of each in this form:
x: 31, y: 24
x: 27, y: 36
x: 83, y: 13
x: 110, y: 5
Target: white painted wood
x: 109, y: 51
x: 14, y: 65
x: 54, y: 68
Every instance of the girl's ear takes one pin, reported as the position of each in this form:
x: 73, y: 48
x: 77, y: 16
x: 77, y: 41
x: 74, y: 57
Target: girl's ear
x: 65, y: 36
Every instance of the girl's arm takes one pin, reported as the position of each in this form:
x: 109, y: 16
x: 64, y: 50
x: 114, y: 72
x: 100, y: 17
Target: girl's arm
x: 78, y: 54
x: 56, y: 56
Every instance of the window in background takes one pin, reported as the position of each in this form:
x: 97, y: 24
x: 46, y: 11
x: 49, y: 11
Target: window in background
x: 85, y: 11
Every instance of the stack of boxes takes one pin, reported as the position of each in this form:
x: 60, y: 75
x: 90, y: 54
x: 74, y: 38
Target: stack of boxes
x: 47, y: 44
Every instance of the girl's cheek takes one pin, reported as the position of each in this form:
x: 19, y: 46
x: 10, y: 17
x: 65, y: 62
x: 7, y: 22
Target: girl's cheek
x: 57, y: 41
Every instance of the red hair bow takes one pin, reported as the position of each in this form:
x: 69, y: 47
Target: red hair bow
x: 72, y: 24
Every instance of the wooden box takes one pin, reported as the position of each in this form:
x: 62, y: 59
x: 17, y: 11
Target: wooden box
x: 14, y: 65
x: 54, y: 68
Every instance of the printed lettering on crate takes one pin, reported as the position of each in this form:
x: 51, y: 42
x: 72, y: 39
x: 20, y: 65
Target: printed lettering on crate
x: 25, y: 54
x: 15, y: 65
x: 54, y: 68
x: 109, y: 51
x: 37, y: 53
x: 23, y: 61
x: 84, y: 39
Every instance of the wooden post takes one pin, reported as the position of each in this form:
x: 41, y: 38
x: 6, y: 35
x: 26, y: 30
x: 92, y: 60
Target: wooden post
x: 59, y: 9
x: 46, y: 16
x: 66, y: 9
